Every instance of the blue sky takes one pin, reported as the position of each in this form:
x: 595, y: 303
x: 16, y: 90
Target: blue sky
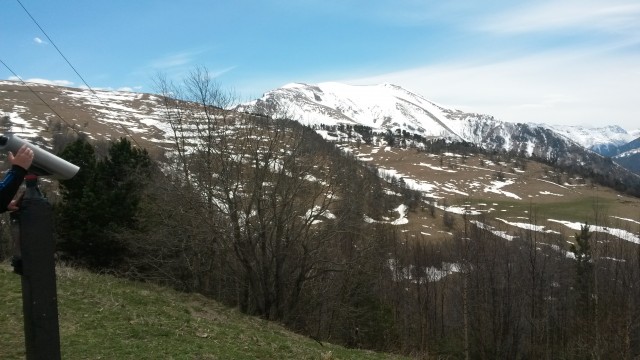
x: 573, y: 62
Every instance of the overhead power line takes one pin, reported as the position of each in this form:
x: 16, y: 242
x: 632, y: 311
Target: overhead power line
x: 38, y: 96
x: 55, y: 46
x: 126, y: 131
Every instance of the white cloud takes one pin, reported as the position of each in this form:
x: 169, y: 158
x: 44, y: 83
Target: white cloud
x: 129, y: 88
x: 43, y: 81
x: 108, y: 88
x: 563, y: 87
x: 37, y: 40
x: 613, y: 16
x: 594, y: 81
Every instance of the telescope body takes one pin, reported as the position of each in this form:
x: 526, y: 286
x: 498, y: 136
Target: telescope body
x: 44, y: 163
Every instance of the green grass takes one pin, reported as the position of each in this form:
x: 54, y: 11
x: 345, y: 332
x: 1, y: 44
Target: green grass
x: 576, y: 209
x: 102, y: 317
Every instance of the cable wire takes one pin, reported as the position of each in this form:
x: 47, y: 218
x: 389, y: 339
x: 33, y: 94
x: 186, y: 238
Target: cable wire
x: 39, y: 97
x: 74, y: 69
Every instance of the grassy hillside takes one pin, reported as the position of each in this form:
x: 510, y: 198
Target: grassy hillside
x: 102, y: 317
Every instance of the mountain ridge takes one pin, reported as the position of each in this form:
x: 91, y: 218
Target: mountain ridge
x: 391, y: 108
x: 605, y: 140
x: 113, y: 114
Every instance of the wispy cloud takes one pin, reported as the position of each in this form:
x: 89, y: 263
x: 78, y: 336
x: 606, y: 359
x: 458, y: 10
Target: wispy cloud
x: 175, y: 60
x: 566, y: 86
x: 39, y: 41
x: 172, y: 61
x: 591, y: 78
x: 620, y: 17
x: 220, y: 72
x: 178, y: 66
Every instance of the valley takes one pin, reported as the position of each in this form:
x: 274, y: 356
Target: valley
x: 386, y: 239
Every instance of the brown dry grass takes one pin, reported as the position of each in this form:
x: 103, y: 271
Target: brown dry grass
x: 540, y: 197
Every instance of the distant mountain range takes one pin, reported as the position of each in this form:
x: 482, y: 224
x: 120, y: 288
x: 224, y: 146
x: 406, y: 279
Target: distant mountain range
x: 389, y: 107
x: 604, y: 140
x: 611, y: 141
x: 384, y: 108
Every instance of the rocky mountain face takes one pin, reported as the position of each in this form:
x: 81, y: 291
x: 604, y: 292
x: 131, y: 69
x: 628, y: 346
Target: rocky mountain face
x: 623, y: 147
x: 628, y: 156
x: 612, y: 141
x: 604, y: 140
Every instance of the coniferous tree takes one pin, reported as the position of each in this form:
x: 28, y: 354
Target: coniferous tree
x: 585, y: 335
x: 584, y: 267
x: 72, y: 211
x: 100, y: 201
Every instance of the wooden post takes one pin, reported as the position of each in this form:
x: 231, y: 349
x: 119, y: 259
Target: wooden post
x: 39, y: 297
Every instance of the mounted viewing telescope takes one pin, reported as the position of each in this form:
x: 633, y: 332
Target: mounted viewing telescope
x: 44, y: 162
x: 34, y: 246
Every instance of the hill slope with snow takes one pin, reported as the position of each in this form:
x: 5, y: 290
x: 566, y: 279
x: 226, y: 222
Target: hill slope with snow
x: 492, y: 181
x: 31, y: 110
x: 391, y: 108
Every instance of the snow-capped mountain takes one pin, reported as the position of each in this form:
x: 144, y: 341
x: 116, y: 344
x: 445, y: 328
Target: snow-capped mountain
x: 629, y: 155
x: 389, y: 107
x: 381, y: 107
x: 612, y: 141
x: 112, y: 114
x: 604, y: 140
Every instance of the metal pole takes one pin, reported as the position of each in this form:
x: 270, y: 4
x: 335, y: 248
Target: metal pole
x: 39, y: 298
